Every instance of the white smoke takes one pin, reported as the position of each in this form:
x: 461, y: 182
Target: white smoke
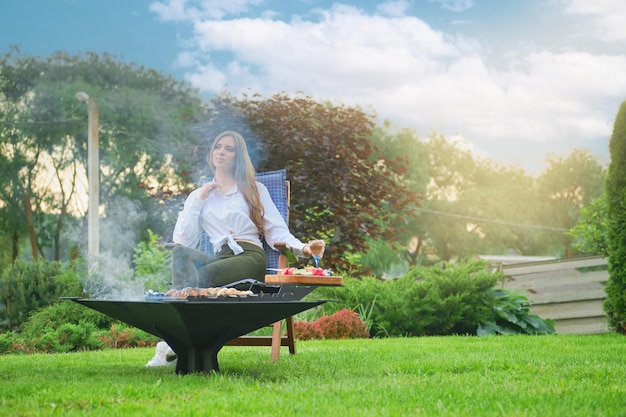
x: 110, y: 273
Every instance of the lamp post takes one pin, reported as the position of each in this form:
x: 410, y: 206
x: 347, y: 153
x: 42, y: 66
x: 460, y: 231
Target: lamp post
x: 93, y: 174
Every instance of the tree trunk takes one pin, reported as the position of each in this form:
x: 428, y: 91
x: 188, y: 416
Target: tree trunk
x: 16, y: 246
x: 57, y: 233
x: 31, y: 228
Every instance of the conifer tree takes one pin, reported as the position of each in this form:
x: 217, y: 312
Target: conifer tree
x: 615, y: 303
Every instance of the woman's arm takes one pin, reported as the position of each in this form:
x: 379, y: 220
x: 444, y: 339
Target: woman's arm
x: 276, y: 229
x: 187, y: 230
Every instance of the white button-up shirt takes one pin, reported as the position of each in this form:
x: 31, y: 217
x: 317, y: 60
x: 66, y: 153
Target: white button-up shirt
x: 225, y: 218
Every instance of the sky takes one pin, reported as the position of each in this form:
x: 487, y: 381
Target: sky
x: 514, y: 80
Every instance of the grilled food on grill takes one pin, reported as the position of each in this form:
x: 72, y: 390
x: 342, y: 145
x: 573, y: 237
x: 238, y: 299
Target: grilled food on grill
x: 207, y: 292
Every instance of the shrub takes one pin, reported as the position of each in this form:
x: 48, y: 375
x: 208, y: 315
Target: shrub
x: 428, y: 301
x: 64, y: 312
x: 153, y: 263
x: 47, y: 343
x: 511, y: 315
x: 121, y: 336
x: 344, y: 324
x: 6, y: 340
x: 27, y: 286
x: 307, y: 330
x: 73, y: 337
x: 66, y: 336
x: 450, y: 298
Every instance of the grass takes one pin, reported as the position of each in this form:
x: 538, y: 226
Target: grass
x: 431, y: 376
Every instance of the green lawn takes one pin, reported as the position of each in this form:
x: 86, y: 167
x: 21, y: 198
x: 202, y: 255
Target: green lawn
x: 430, y: 376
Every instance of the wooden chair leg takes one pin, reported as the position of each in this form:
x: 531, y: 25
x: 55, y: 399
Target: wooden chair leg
x: 276, y: 341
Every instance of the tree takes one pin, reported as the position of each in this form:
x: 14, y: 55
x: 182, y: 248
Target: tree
x: 468, y: 201
x: 615, y: 303
x: 19, y: 156
x: 567, y: 186
x: 507, y: 198
x: 590, y: 235
x: 392, y: 255
x: 144, y: 139
x: 341, y: 189
x: 475, y: 206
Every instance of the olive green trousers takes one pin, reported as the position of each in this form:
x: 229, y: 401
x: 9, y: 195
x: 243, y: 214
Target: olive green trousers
x: 194, y: 268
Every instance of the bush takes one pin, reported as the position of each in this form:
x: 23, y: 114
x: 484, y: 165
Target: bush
x: 47, y: 343
x: 121, y: 336
x: 67, y: 326
x: 427, y: 301
x: 6, y: 340
x: 344, y: 324
x: 153, y: 263
x: 28, y: 286
x: 511, y: 315
x: 74, y: 337
x: 307, y: 330
x: 66, y: 338
x: 64, y: 312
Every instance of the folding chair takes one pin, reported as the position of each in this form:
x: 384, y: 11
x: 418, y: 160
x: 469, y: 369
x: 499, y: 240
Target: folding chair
x: 279, y: 190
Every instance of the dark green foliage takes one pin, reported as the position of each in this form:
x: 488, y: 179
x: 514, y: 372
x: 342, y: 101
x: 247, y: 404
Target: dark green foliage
x: 427, y: 301
x: 615, y: 303
x: 69, y: 337
x: 454, y: 295
x: 511, y: 315
x: 61, y: 313
x: 67, y: 326
x: 27, y: 286
x: 6, y: 340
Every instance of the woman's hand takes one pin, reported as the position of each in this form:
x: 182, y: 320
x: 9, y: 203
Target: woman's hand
x: 314, y: 247
x: 206, y: 189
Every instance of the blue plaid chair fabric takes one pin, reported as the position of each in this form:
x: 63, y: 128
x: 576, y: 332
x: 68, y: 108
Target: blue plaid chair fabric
x: 275, y: 181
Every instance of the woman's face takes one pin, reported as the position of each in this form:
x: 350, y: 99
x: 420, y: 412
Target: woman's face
x: 224, y: 154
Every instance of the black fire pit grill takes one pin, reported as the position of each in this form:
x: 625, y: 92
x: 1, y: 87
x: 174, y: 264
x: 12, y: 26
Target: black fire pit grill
x: 196, y: 329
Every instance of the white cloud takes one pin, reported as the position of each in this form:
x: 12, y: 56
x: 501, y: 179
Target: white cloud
x: 412, y: 74
x: 455, y: 5
x: 344, y: 50
x: 172, y: 10
x: 606, y: 19
x: 182, y: 10
x: 395, y: 8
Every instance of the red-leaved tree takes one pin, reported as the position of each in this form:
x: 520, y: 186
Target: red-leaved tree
x: 342, y: 188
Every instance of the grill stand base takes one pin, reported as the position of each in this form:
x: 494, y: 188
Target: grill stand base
x: 193, y: 358
x: 195, y: 330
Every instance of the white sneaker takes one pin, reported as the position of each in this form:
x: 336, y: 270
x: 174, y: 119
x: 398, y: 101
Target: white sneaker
x: 164, y: 356
x: 170, y: 355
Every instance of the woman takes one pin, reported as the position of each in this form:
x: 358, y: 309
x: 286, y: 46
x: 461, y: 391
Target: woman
x: 236, y: 212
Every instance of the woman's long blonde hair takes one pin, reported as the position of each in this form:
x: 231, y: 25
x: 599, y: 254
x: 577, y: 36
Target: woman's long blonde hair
x: 244, y: 175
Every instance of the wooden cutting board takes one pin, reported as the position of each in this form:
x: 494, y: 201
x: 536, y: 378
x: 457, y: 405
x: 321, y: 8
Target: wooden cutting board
x: 303, y: 279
